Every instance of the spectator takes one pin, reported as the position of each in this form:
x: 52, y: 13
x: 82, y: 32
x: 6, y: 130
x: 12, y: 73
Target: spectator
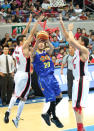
x: 5, y: 40
x: 74, y: 17
x: 91, y: 42
x: 91, y: 57
x: 77, y: 9
x: 46, y: 5
x: 84, y: 32
x: 2, y: 12
x: 60, y: 57
x: 56, y: 45
x: 14, y: 5
x: 71, y: 10
x: 2, y: 20
x: 83, y: 16
x: 78, y: 33
x: 58, y: 35
x: 6, y: 74
x: 5, y: 6
x: 54, y: 60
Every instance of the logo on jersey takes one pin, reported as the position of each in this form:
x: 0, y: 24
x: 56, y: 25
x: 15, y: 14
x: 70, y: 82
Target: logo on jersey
x: 16, y: 52
x: 44, y: 58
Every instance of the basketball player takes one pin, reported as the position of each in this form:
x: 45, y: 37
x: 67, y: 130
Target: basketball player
x: 48, y: 84
x: 80, y: 73
x: 22, y: 76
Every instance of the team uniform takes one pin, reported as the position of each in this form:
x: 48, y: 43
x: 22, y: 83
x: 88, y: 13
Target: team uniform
x: 81, y: 81
x: 22, y: 76
x: 44, y: 68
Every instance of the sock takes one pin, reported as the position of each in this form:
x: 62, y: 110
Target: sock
x: 58, y: 100
x: 20, y: 108
x: 80, y: 126
x: 12, y: 102
x: 49, y: 110
x: 52, y: 109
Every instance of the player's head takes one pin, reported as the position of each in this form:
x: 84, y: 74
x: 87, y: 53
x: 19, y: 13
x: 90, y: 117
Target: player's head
x: 71, y: 50
x: 21, y: 39
x: 6, y: 49
x: 41, y: 45
x: 83, y: 40
x: 92, y: 35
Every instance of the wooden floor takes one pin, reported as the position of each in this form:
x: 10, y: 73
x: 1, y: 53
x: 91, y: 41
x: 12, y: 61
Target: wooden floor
x: 32, y: 120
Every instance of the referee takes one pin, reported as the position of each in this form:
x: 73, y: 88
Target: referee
x: 67, y: 59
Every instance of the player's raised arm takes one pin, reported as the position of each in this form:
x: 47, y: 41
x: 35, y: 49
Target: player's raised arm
x: 76, y: 43
x: 29, y: 39
x: 64, y: 31
x: 51, y: 47
x: 27, y: 26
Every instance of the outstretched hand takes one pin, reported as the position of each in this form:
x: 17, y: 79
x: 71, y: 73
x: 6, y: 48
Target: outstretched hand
x: 30, y: 18
x: 60, y: 18
x: 70, y: 27
x: 40, y: 18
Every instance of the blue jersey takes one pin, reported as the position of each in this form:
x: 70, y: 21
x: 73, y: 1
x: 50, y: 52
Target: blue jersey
x: 43, y: 64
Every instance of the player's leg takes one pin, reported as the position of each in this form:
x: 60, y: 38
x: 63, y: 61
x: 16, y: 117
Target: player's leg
x: 58, y: 95
x: 19, y: 111
x: 77, y: 99
x: 11, y: 104
x: 25, y: 86
x: 79, y: 119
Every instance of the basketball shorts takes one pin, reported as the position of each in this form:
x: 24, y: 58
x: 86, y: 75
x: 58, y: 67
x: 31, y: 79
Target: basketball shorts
x: 49, y: 87
x: 80, y: 92
x: 22, y: 84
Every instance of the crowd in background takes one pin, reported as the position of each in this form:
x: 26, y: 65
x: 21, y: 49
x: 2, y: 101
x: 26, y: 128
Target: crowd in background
x: 57, y: 39
x: 16, y: 11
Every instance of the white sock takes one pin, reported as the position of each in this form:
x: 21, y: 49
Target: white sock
x: 12, y: 102
x: 20, y: 108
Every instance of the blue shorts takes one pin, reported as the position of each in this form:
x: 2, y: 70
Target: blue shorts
x: 49, y: 87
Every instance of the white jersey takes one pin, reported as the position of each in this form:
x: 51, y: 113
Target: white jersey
x: 22, y: 63
x: 80, y: 68
x: 80, y: 87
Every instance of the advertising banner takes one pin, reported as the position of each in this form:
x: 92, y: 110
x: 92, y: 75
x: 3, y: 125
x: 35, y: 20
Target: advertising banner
x: 62, y: 79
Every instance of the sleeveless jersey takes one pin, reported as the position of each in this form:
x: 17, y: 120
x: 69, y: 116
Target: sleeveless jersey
x: 43, y: 64
x: 22, y: 63
x: 80, y: 68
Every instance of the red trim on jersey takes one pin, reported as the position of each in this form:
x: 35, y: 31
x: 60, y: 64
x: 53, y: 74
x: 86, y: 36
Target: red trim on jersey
x: 26, y: 64
x: 78, y: 91
x: 79, y: 63
x: 82, y: 91
x: 25, y: 86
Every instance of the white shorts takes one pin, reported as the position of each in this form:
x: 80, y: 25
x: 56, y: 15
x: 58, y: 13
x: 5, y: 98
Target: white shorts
x: 22, y: 84
x: 80, y: 91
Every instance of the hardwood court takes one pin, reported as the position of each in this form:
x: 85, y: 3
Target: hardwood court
x: 32, y: 120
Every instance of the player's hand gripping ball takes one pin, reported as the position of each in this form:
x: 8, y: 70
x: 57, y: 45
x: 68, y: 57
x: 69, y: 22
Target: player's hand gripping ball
x: 42, y: 35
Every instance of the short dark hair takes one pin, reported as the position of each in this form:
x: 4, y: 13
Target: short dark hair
x: 92, y: 33
x: 85, y: 40
x: 5, y: 46
x: 20, y: 38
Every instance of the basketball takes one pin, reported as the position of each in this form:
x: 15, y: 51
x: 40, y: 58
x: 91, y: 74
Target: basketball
x: 42, y: 35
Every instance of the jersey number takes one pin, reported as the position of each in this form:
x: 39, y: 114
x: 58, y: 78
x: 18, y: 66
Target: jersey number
x: 74, y: 66
x: 17, y: 58
x: 46, y: 64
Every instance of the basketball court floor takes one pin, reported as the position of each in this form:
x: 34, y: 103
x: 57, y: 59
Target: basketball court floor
x: 31, y: 116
